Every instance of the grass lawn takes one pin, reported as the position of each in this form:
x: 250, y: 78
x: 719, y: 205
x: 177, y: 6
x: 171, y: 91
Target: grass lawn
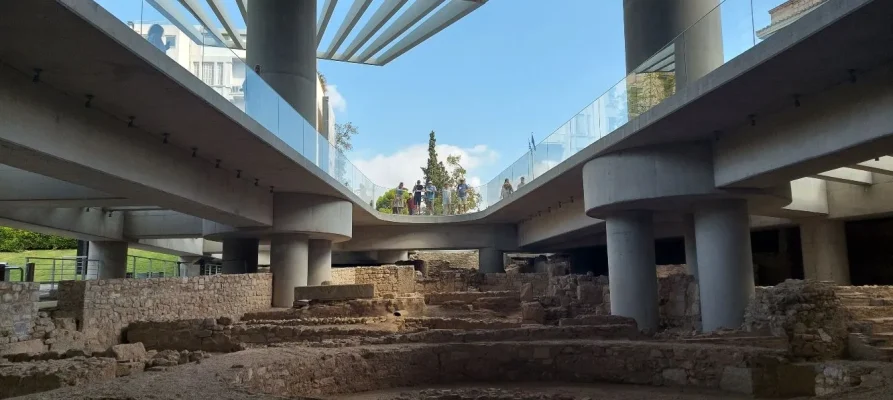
x: 140, y: 261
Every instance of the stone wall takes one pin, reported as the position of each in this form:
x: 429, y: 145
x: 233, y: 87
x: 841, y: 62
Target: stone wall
x: 351, y: 370
x: 501, y: 282
x: 456, y: 259
x: 18, y: 310
x: 388, y: 279
x: 808, y: 313
x: 105, y: 307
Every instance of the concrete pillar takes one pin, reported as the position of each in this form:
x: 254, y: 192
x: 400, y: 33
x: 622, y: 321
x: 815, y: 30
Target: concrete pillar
x: 823, y: 242
x: 490, y: 261
x: 283, y: 43
x: 240, y: 255
x: 288, y: 263
x: 319, y: 261
x: 691, y: 248
x: 650, y: 25
x: 111, y: 260
x: 725, y: 262
x: 188, y: 266
x: 632, y: 273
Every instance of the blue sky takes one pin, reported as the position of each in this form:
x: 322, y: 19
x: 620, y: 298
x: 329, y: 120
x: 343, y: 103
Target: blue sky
x: 509, y: 69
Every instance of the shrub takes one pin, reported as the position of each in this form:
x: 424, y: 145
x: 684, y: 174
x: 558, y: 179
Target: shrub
x: 16, y: 240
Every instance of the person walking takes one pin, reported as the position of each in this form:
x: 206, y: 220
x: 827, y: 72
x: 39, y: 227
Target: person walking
x: 417, y: 195
x: 507, y: 189
x: 430, y: 194
x: 446, y: 197
x: 462, y: 194
x: 397, y: 205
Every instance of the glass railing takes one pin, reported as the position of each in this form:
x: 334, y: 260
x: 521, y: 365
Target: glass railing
x: 729, y: 29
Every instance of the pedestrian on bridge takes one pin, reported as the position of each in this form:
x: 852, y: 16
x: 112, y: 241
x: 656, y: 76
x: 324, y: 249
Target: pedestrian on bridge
x: 507, y: 189
x: 397, y: 204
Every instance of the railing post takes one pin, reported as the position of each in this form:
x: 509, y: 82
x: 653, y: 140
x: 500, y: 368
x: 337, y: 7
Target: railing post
x: 29, y: 272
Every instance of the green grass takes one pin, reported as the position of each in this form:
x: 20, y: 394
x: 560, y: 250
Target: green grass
x: 65, y: 269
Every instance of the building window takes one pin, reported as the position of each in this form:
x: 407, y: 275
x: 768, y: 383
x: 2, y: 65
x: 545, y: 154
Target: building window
x: 218, y: 75
x: 195, y: 68
x: 171, y: 41
x: 208, y: 73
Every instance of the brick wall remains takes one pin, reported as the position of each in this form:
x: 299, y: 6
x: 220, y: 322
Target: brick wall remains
x: 808, y: 313
x: 501, y: 282
x: 456, y: 259
x: 18, y: 310
x: 388, y: 279
x: 105, y: 307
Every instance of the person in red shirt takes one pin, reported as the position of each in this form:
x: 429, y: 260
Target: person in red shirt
x: 411, y: 204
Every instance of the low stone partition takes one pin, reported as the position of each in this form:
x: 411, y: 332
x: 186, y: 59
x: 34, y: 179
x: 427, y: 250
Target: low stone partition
x: 18, y: 311
x: 335, y: 292
x: 408, y: 306
x: 512, y: 282
x: 453, y: 259
x: 524, y: 333
x: 351, y: 370
x: 807, y: 313
x: 465, y: 297
x: 388, y: 279
x: 221, y: 336
x: 103, y: 308
x: 412, y: 324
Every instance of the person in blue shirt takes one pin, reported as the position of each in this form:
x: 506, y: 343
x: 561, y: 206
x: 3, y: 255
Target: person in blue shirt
x: 462, y: 193
x: 430, y: 193
x: 417, y: 196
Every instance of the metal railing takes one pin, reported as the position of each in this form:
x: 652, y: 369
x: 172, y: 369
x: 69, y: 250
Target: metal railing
x: 48, y: 271
x: 140, y: 267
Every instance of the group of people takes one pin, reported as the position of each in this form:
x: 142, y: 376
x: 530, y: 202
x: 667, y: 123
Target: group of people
x: 507, y: 188
x: 427, y: 195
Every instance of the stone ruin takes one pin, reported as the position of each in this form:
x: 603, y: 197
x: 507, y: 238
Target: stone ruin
x: 376, y: 328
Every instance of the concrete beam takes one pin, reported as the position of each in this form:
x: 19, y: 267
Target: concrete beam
x: 45, y: 132
x: 350, y: 20
x: 443, y: 18
x: 881, y: 165
x: 432, y: 237
x: 177, y: 247
x: 406, y: 20
x: 560, y: 221
x: 846, y: 175
x: 844, y: 125
x: 79, y: 223
x: 850, y: 201
x: 21, y: 188
x: 161, y: 224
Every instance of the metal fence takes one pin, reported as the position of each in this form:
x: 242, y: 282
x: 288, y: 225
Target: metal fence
x: 146, y: 267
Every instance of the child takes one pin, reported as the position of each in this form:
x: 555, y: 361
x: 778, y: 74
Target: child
x: 446, y: 198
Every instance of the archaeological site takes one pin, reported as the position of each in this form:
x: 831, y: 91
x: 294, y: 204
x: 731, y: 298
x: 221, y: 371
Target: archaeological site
x: 435, y: 328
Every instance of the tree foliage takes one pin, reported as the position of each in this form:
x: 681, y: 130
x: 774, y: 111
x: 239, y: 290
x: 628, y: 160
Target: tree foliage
x: 343, y: 135
x: 18, y: 240
x: 385, y: 202
x: 435, y: 170
x: 646, y: 90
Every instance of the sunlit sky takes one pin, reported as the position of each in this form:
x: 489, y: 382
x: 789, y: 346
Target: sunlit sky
x: 510, y: 69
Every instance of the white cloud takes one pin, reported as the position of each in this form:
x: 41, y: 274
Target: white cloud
x: 404, y: 165
x: 336, y: 100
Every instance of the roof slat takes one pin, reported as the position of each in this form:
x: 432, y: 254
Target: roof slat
x: 381, y: 16
x: 228, y: 25
x: 350, y: 20
x: 410, y: 17
x: 443, y: 18
x: 193, y: 7
x: 327, y: 9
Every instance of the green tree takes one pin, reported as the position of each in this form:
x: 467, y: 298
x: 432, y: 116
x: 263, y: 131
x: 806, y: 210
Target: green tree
x: 16, y: 240
x: 343, y: 135
x: 385, y: 201
x: 456, y: 173
x: 434, y: 171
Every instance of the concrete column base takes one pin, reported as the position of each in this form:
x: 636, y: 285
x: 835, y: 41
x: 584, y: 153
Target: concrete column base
x: 319, y: 262
x: 823, y: 242
x: 632, y: 273
x: 111, y: 260
x: 490, y: 261
x: 725, y: 263
x: 240, y: 255
x: 188, y: 267
x: 288, y: 263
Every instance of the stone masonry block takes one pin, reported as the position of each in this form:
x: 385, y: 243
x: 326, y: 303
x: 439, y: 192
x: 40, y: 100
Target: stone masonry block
x: 335, y: 292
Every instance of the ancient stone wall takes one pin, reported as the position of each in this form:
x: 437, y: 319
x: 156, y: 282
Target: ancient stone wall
x: 344, y: 276
x: 500, y: 282
x: 456, y: 259
x: 105, y: 307
x: 350, y: 370
x: 388, y: 279
x: 808, y: 313
x: 18, y: 310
